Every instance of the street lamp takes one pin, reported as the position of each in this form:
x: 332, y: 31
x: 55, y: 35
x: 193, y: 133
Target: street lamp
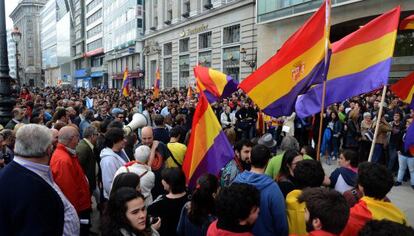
x: 6, y: 100
x: 16, y: 36
x: 251, y: 63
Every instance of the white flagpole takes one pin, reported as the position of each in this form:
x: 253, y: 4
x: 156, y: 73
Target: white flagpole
x: 371, y: 152
x: 327, y: 32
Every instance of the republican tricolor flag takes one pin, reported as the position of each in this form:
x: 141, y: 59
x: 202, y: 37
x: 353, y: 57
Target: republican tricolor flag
x: 371, y: 209
x: 125, y: 83
x: 360, y: 63
x: 409, y: 139
x: 300, y: 63
x: 157, y: 83
x: 214, y: 84
x: 209, y: 149
x: 407, y: 23
x: 404, y: 89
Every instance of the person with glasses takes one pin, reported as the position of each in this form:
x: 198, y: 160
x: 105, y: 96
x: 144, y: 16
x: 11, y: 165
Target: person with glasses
x: 120, y: 117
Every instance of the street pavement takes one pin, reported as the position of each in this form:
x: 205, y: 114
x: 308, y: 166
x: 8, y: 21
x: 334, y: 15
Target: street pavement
x: 402, y: 196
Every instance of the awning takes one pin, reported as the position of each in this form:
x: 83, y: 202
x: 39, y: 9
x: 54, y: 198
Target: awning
x: 81, y: 73
x: 97, y: 74
x: 84, y: 78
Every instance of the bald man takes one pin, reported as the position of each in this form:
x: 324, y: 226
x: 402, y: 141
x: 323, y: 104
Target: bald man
x: 69, y: 176
x: 159, y: 154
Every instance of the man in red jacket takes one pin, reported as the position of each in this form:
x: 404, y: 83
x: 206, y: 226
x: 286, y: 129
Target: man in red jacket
x: 69, y: 176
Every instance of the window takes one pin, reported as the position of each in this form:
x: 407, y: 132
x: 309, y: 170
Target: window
x: 94, y: 45
x: 184, y: 70
x: 169, y: 14
x: 204, y: 59
x: 404, y: 44
x: 78, y: 20
x: 184, y: 45
x: 168, y: 72
x: 77, y: 5
x: 96, y: 61
x: 231, y: 62
x: 186, y: 7
x: 94, y: 17
x: 155, y: 23
x: 139, y: 23
x: 139, y: 2
x: 94, y: 31
x: 167, y: 49
x: 231, y: 34
x: 78, y: 34
x: 204, y: 40
x: 139, y: 11
x: 92, y: 5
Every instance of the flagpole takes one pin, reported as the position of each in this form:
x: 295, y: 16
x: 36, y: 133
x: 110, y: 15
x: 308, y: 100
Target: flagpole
x: 379, y: 116
x: 327, y: 31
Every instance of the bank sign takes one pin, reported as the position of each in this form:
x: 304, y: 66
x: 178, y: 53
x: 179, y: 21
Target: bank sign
x: 195, y: 30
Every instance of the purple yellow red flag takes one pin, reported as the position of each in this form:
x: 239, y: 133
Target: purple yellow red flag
x: 298, y: 64
x: 157, y: 83
x: 371, y: 209
x: 214, y: 84
x: 407, y: 23
x: 125, y: 83
x: 209, y: 149
x: 409, y: 139
x: 404, y: 89
x: 189, y: 92
x: 360, y: 63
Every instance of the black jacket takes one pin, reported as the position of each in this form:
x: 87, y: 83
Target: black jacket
x: 28, y: 204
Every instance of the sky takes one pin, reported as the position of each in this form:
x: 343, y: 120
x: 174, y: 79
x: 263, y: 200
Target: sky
x: 10, y: 5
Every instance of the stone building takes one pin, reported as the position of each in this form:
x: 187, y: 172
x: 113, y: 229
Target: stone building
x: 26, y: 16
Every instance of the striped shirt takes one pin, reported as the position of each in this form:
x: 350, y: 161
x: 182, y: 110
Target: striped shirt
x: 71, y: 225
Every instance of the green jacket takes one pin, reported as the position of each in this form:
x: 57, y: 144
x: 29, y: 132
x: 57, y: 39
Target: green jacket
x: 87, y: 161
x: 273, y: 167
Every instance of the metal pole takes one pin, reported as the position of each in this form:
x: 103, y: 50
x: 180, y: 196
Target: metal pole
x: 326, y: 60
x: 379, y: 116
x: 17, y: 64
x: 6, y: 100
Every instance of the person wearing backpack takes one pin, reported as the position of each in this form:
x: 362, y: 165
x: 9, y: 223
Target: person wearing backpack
x: 177, y: 149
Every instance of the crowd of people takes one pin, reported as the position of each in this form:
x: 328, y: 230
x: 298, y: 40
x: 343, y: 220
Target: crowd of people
x: 65, y: 149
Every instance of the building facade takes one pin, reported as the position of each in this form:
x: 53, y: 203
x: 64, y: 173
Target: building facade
x: 181, y: 34
x: 80, y: 65
x: 123, y: 27
x: 26, y: 16
x: 55, y: 43
x: 93, y: 67
x: 285, y: 17
x: 48, y: 43
x: 11, y: 51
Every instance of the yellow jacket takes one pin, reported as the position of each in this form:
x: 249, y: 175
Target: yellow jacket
x: 296, y: 214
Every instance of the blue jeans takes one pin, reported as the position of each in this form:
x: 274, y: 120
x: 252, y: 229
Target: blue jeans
x: 392, y: 153
x: 376, y: 156
x: 404, y: 163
